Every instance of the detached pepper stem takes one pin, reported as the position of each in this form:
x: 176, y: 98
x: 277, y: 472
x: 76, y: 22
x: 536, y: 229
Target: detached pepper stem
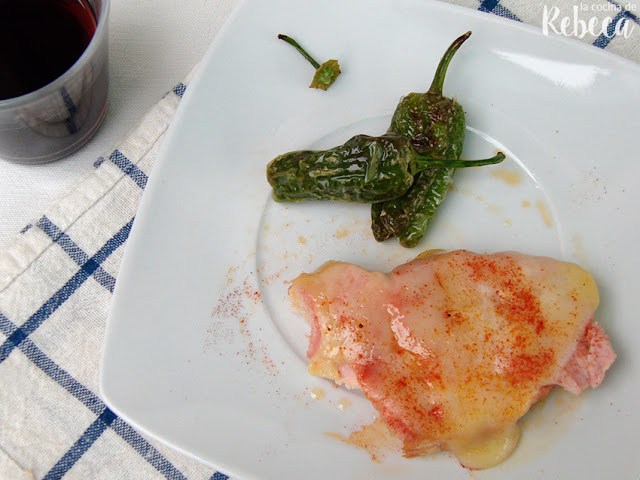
x: 295, y: 44
x: 420, y: 162
x: 441, y: 71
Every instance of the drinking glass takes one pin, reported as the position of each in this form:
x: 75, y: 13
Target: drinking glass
x: 57, y: 119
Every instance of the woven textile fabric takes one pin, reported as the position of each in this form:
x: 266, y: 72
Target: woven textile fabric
x: 56, y: 282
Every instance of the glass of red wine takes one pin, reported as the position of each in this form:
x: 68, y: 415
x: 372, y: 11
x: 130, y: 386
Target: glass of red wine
x: 54, y: 76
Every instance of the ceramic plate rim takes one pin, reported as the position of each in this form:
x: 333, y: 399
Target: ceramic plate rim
x: 173, y: 135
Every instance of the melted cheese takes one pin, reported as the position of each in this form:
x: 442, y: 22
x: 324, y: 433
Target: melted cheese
x: 451, y: 348
x: 488, y: 450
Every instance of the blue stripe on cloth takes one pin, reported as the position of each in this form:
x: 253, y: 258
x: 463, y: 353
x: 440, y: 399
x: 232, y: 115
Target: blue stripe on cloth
x: 179, y: 89
x: 81, y: 446
x: 87, y: 397
x: 128, y: 167
x: 53, y: 370
x: 68, y: 101
x: 219, y: 476
x: 71, y: 108
x: 488, y: 5
x: 75, y: 252
x: 629, y: 15
x: 86, y: 270
x: 13, y: 340
x: 92, y: 402
x: 506, y: 13
x: 604, y: 39
x: 493, y: 6
x: 146, y: 450
x: 99, y: 162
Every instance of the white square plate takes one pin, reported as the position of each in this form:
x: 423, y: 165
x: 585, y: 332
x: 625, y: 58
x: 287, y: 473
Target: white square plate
x: 202, y: 350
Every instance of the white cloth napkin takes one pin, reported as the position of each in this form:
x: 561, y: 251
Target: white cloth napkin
x: 57, y: 279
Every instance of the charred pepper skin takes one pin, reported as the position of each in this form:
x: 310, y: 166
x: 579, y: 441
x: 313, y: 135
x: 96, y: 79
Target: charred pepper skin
x: 364, y: 169
x: 436, y: 126
x: 409, y: 216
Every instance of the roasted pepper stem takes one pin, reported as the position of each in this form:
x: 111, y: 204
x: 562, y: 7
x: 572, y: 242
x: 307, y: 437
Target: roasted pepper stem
x: 325, y: 74
x: 418, y: 163
x: 441, y: 70
x: 297, y: 46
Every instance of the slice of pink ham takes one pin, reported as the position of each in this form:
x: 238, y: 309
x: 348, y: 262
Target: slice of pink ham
x: 592, y: 358
x: 454, y: 346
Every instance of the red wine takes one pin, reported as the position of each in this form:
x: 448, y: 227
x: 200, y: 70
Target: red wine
x: 40, y: 40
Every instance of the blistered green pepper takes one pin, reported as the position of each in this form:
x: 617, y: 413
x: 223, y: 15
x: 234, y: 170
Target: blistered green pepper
x: 325, y: 74
x: 364, y: 169
x: 436, y: 126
